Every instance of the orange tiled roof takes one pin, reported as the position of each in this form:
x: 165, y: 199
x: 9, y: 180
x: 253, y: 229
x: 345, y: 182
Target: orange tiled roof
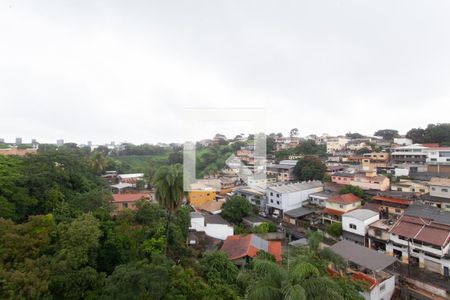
x: 392, y: 200
x: 333, y: 212
x: 344, y: 199
x: 237, y: 246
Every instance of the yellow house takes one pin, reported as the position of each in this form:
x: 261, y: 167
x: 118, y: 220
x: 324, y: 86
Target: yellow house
x: 201, y: 194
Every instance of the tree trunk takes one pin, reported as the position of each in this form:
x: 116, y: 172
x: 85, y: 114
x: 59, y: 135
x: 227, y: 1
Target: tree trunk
x: 169, y: 215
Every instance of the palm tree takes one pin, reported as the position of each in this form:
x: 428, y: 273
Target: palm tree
x: 98, y: 162
x: 303, y: 277
x: 168, y: 185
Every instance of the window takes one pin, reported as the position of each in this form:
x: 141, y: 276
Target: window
x: 354, y: 204
x: 271, y: 200
x: 444, y: 190
x: 278, y: 202
x: 382, y: 287
x: 433, y: 189
x: 398, y: 210
x: 278, y: 195
x: 433, y: 159
x: 399, y: 189
x: 125, y: 205
x: 341, y: 206
x: 352, y: 226
x: 271, y: 194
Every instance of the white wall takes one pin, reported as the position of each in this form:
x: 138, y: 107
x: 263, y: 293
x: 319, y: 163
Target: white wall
x: 218, y: 231
x: 288, y: 201
x: 386, y: 294
x: 361, y: 226
x: 440, y: 191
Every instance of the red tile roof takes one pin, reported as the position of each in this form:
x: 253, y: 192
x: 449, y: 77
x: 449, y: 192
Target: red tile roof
x: 333, y: 212
x: 237, y: 246
x: 423, y: 230
x: 130, y: 197
x: 392, y: 200
x: 344, y: 199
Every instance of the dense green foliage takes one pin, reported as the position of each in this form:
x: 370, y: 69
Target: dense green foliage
x: 308, y: 147
x: 310, y: 168
x: 355, y: 190
x: 303, y: 275
x: 54, y: 180
x: 439, y: 133
x: 236, y: 208
x: 387, y: 134
x: 334, y: 229
x: 59, y: 240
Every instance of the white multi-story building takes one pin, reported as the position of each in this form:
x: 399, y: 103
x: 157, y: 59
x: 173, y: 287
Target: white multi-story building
x: 335, y: 144
x: 412, y: 157
x: 422, y: 235
x: 355, y: 224
x: 289, y: 196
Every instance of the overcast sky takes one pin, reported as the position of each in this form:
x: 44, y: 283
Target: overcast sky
x: 128, y: 70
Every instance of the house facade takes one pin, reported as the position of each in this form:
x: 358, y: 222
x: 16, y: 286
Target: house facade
x: 213, y: 225
x: 289, y: 196
x: 355, y: 225
x: 338, y: 205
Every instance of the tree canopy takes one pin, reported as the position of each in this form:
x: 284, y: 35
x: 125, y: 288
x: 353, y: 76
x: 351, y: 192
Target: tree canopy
x: 310, y: 168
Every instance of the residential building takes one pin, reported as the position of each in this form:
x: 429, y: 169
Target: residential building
x: 336, y: 144
x: 439, y: 193
x: 342, y: 178
x: 355, y: 225
x: 402, y: 141
x: 369, y: 266
x: 391, y: 206
x: 213, y: 225
x: 421, y: 236
x: 378, y: 233
x: 255, y: 194
x: 241, y: 249
x: 301, y: 216
x: 282, y: 143
x: 128, y: 201
x: 289, y: 196
x: 59, y: 142
x: 338, y: 205
x: 18, y: 141
x: 438, y: 159
x: 130, y: 178
x: 440, y: 187
x: 377, y: 182
x: 410, y: 186
x: 412, y: 157
x: 283, y: 173
x: 320, y: 198
x: 200, y: 194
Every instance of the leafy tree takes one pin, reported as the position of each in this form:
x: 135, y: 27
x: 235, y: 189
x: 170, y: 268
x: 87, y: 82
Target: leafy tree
x: 334, y: 229
x: 98, y: 162
x: 236, y: 208
x: 24, y: 272
x: 293, y: 132
x: 138, y: 280
x: 218, y: 269
x: 433, y: 133
x: 168, y: 185
x: 354, y: 135
x: 355, y: 190
x: 387, y: 134
x: 310, y: 168
x: 265, y: 227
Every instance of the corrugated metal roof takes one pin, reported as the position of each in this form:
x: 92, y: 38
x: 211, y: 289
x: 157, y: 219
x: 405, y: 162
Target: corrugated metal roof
x: 362, y: 256
x: 296, y: 187
x: 361, y: 214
